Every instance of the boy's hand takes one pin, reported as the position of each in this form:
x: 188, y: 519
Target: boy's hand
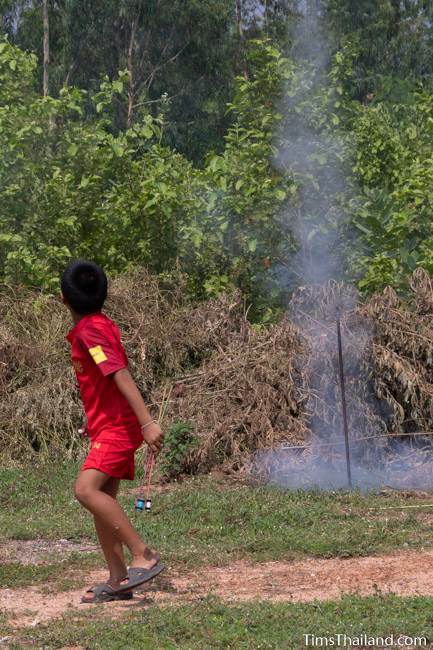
x: 153, y: 436
x: 83, y: 431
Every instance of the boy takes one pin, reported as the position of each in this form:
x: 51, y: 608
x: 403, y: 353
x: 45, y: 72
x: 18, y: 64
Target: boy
x: 117, y: 423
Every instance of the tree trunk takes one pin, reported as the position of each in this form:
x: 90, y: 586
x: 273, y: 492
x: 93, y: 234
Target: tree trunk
x: 241, y: 38
x: 46, y: 47
x: 130, y: 66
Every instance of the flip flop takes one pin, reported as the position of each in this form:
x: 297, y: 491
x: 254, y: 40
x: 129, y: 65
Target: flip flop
x: 104, y: 593
x: 138, y: 575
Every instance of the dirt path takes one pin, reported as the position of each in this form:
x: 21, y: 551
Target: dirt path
x: 405, y: 574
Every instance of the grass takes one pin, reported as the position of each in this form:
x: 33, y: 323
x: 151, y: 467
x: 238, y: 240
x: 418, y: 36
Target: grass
x: 212, y: 624
x: 201, y: 521
x: 62, y: 575
x: 39, y: 502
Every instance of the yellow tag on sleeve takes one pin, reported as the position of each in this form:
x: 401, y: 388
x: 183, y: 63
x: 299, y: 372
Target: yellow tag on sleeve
x: 98, y: 354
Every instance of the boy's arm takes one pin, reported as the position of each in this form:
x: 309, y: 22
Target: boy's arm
x: 127, y: 386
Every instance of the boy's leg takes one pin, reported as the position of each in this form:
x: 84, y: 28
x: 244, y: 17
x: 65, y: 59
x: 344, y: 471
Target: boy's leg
x: 111, y: 545
x: 89, y: 492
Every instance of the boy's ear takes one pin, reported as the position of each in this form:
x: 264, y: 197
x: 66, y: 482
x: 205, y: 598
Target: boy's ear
x: 63, y: 299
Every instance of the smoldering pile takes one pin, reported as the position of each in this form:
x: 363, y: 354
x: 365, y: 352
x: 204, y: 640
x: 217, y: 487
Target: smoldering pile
x: 248, y: 390
x: 262, y: 390
x: 387, y: 350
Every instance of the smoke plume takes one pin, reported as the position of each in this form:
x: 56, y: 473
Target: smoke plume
x: 311, y: 153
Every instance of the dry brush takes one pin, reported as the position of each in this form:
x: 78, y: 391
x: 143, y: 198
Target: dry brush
x: 244, y: 387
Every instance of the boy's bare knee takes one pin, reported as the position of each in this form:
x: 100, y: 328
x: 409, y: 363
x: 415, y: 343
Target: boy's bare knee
x: 82, y: 492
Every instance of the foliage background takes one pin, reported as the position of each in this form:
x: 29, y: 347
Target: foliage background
x: 157, y: 143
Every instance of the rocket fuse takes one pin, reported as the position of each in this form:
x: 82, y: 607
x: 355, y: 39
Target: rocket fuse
x: 145, y: 503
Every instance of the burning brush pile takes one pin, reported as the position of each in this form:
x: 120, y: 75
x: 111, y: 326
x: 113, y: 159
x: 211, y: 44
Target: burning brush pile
x: 387, y: 358
x: 250, y: 392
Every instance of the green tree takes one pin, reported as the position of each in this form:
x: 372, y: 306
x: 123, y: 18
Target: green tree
x: 243, y: 233
x: 393, y: 210
x: 183, y: 51
x: 182, y: 55
x: 394, y: 42
x: 70, y: 187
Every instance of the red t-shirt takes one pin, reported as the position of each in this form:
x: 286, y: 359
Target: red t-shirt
x: 97, y: 352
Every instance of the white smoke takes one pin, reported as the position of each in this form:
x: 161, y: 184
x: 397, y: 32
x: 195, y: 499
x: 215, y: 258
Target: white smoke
x: 311, y: 153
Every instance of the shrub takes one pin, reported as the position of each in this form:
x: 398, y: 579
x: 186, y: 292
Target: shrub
x: 178, y: 442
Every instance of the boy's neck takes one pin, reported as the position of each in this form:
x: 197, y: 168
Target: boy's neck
x: 77, y: 317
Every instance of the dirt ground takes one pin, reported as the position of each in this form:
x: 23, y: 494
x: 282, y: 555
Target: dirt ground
x: 407, y: 573
x: 37, y: 551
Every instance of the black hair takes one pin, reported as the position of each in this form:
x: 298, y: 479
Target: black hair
x: 84, y: 286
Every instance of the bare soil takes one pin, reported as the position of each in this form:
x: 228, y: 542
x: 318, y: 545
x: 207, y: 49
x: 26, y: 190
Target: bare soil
x: 407, y: 573
x: 39, y: 551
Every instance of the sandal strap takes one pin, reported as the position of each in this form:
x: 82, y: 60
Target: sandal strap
x: 103, y: 588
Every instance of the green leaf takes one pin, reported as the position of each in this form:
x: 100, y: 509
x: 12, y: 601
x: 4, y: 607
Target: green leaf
x: 224, y: 225
x: 151, y: 202
x: 215, y: 163
x: 118, y: 86
x: 72, y: 149
x: 118, y: 149
x: 412, y: 132
x: 84, y: 182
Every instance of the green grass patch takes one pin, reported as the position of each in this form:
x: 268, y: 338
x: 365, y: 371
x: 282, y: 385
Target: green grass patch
x: 213, y: 624
x: 60, y: 576
x: 201, y: 521
x: 39, y: 502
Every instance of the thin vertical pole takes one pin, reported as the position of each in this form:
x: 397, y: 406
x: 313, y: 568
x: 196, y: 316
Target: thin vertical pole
x: 343, y: 403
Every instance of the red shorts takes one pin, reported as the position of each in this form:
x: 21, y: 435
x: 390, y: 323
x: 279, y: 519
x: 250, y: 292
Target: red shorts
x: 114, y: 457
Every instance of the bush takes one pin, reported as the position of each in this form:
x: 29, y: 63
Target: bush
x: 242, y: 387
x: 178, y: 442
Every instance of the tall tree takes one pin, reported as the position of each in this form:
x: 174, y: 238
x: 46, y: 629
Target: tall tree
x: 394, y: 41
x: 130, y: 64
x: 187, y: 51
x: 46, y: 47
x: 240, y: 29
x: 184, y: 50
